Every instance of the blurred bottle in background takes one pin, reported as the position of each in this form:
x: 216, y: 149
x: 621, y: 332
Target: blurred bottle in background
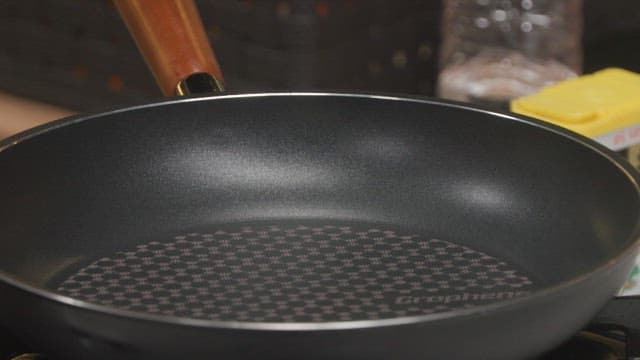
x: 496, y: 50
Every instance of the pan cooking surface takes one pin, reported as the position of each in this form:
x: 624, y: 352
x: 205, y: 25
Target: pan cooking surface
x: 297, y: 273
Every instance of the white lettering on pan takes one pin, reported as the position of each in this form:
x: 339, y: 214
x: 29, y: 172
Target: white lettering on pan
x: 458, y: 298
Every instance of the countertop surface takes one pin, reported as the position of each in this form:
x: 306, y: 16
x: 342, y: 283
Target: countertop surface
x: 18, y: 114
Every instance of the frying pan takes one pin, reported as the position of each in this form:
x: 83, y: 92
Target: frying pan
x: 303, y: 225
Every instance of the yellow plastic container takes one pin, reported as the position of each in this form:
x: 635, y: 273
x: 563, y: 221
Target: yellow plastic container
x: 604, y: 105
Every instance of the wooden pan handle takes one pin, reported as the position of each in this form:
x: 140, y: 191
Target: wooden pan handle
x: 171, y: 37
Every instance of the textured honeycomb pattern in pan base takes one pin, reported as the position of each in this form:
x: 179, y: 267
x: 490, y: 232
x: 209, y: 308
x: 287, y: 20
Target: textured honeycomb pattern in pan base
x: 296, y: 273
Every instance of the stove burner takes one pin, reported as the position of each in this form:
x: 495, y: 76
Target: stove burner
x: 297, y: 273
x: 588, y: 346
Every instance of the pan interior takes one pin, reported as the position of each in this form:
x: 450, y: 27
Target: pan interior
x: 297, y: 272
x: 88, y: 200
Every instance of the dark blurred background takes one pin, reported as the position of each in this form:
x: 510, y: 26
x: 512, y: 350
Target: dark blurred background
x: 78, y: 54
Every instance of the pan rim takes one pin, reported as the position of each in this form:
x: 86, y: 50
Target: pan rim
x: 633, y: 241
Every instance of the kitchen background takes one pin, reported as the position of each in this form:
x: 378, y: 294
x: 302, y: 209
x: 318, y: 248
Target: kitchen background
x: 59, y: 57
x: 78, y: 55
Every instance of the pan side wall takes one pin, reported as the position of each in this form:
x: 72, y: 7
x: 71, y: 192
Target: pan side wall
x: 515, y: 191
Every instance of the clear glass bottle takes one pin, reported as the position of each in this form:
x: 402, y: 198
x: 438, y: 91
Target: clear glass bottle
x: 496, y: 50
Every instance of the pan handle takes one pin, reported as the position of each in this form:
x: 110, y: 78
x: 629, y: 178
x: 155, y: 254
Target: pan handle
x: 171, y: 37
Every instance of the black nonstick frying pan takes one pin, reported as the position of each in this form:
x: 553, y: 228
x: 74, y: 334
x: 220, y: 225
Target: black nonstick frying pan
x: 306, y: 226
